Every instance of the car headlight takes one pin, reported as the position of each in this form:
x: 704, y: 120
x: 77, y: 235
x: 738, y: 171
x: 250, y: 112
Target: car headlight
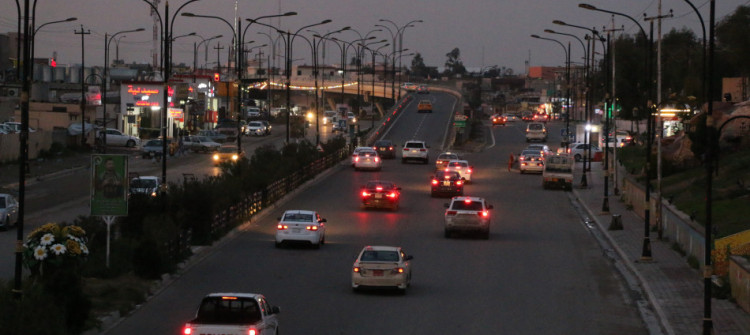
x: 235, y: 157
x: 216, y: 157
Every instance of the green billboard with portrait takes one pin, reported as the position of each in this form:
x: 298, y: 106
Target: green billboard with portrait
x: 109, y: 185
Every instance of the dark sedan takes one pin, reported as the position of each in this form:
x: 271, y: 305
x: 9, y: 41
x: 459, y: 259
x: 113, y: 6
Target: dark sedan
x: 385, y: 148
x: 380, y: 194
x: 447, y: 183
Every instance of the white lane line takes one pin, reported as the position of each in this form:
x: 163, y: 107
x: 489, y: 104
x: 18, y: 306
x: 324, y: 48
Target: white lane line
x: 421, y: 122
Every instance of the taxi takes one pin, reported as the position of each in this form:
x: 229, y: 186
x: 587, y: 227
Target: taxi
x: 498, y: 120
x: 227, y: 153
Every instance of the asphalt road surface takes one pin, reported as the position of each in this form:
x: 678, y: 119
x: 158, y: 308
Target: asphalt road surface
x: 541, y: 271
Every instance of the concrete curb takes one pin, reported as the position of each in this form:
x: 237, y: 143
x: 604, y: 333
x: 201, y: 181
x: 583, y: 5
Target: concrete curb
x: 664, y: 322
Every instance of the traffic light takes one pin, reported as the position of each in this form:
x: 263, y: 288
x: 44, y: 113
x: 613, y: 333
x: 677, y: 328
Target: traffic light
x: 217, y: 76
x: 618, y: 109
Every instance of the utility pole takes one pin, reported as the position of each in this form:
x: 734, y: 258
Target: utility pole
x: 658, y: 123
x: 83, y: 85
x: 615, y: 190
x: 218, y: 49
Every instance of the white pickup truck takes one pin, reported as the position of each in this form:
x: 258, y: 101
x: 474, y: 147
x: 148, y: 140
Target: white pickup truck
x: 558, y: 172
x: 234, y: 314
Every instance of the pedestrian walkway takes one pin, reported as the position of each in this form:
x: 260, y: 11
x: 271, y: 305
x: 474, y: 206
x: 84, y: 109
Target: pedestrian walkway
x: 674, y: 289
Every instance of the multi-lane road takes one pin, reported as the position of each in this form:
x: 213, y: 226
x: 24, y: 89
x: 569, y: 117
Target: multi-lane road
x: 541, y: 271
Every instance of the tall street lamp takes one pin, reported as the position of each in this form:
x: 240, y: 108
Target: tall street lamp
x: 196, y: 47
x: 583, y: 47
x: 567, y: 84
x: 315, y: 45
x: 24, y: 147
x: 167, y: 26
x: 358, y: 49
x: 289, y: 39
x: 271, y: 66
x: 646, y: 251
x: 107, y: 43
x: 400, y: 46
x: 33, y: 38
x: 374, y: 52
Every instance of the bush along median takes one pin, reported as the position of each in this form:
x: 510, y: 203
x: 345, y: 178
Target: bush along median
x: 158, y: 234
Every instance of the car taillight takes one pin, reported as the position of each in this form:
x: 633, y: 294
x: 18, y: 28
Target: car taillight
x: 377, y: 159
x: 374, y: 148
x: 356, y: 159
x: 392, y: 195
x: 451, y: 213
x: 467, y: 201
x: 313, y: 228
x: 435, y: 182
x: 357, y: 269
x: 379, y: 188
x: 187, y: 330
x: 252, y: 331
x: 459, y: 182
x: 282, y: 227
x: 365, y: 194
x: 406, y: 149
x: 484, y: 214
x: 216, y: 157
x: 397, y: 271
x: 468, y: 171
x: 390, y: 148
x: 423, y: 150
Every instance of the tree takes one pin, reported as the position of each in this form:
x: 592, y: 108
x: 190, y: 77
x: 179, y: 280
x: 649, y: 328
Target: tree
x: 454, y: 65
x: 418, y: 68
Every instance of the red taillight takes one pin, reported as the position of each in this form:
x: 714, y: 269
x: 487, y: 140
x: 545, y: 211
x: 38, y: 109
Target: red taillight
x: 356, y: 269
x: 397, y: 270
x: 435, y: 182
x: 282, y: 227
x: 356, y: 159
x: 374, y: 148
x: 459, y: 182
x: 406, y: 149
x: 484, y: 214
x: 187, y: 330
x: 390, y: 148
x: 252, y: 331
x: 468, y: 171
x: 379, y: 188
x: 365, y: 194
x: 377, y: 159
x: 313, y: 228
x: 423, y: 150
x: 392, y: 195
x: 451, y: 213
x: 467, y: 201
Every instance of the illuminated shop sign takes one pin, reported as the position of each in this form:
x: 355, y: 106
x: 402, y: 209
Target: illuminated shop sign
x: 142, y: 95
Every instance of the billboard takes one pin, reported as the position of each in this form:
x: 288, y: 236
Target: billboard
x: 109, y: 185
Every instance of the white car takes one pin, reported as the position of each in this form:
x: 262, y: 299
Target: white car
x: 382, y: 266
x: 148, y: 185
x: 8, y: 211
x: 258, y: 128
x: 580, y: 151
x: 15, y: 127
x: 329, y: 117
x: 462, y: 167
x: 368, y: 159
x: 301, y: 226
x: 234, y: 313
x: 418, y: 150
x: 543, y: 149
x: 118, y: 138
x: 467, y: 214
x: 356, y: 151
x: 536, y: 131
x: 530, y: 161
x: 200, y: 143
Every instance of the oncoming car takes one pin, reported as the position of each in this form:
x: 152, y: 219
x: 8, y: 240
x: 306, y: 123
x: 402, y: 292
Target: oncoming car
x: 301, y: 226
x: 467, y: 214
x: 382, y: 266
x: 146, y: 185
x: 227, y: 153
x: 380, y: 194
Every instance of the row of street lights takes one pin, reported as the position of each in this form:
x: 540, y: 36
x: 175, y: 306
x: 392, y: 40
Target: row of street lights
x: 648, y: 105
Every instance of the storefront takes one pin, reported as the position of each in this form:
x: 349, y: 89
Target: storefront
x: 142, y: 103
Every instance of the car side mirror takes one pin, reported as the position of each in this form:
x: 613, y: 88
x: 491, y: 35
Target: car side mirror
x: 446, y: 205
x: 490, y: 207
x: 408, y: 257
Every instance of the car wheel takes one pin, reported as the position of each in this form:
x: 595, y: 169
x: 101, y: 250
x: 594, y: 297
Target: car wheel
x: 316, y: 245
x: 130, y: 143
x: 402, y: 291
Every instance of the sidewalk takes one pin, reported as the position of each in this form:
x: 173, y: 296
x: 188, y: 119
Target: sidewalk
x: 674, y: 289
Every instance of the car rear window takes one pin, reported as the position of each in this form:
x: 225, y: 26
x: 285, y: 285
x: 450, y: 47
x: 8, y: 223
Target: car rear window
x: 414, y: 145
x: 230, y: 310
x: 447, y: 157
x: 450, y: 174
x: 461, y: 205
x: 298, y: 217
x: 536, y: 126
x: 385, y: 185
x: 379, y: 256
x: 382, y: 143
x: 461, y: 164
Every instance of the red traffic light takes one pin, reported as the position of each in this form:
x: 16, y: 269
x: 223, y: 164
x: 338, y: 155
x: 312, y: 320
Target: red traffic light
x: 217, y: 77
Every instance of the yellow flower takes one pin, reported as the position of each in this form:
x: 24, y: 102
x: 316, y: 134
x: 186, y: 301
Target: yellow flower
x: 73, y: 247
x: 74, y: 230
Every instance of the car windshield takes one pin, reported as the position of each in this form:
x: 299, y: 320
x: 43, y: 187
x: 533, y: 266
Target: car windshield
x: 153, y: 143
x: 379, y: 256
x: 462, y: 205
x: 384, y: 184
x: 255, y: 124
x: 536, y: 126
x: 143, y: 183
x: 201, y: 138
x: 298, y: 217
x: 414, y: 145
x: 219, y: 310
x: 2, y: 203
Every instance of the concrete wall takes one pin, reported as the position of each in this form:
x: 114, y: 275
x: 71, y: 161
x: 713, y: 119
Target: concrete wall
x: 10, y: 145
x: 739, y: 274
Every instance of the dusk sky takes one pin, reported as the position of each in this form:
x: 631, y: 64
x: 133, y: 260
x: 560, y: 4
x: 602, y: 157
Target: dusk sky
x: 487, y: 32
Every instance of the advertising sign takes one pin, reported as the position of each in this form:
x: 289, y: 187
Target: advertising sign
x: 109, y: 185
x: 142, y: 95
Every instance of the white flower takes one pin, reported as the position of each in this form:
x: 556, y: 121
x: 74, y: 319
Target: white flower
x: 40, y: 253
x: 47, y: 239
x: 58, y: 249
x: 71, y: 237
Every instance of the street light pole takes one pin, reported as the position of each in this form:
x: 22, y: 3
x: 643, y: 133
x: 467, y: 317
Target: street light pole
x: 315, y: 46
x: 107, y: 44
x: 83, y: 88
x: 566, y: 139
x: 24, y: 147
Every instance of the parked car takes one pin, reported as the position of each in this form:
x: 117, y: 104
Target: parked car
x: 8, y: 211
x: 382, y: 267
x: 116, y: 137
x: 580, y: 151
x: 301, y: 226
x: 213, y: 135
x: 15, y: 127
x: 200, y: 143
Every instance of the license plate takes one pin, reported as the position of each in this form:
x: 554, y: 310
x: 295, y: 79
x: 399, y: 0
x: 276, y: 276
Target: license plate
x: 555, y: 179
x: 378, y: 195
x: 382, y: 149
x: 446, y: 183
x: 296, y: 230
x: 378, y: 273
